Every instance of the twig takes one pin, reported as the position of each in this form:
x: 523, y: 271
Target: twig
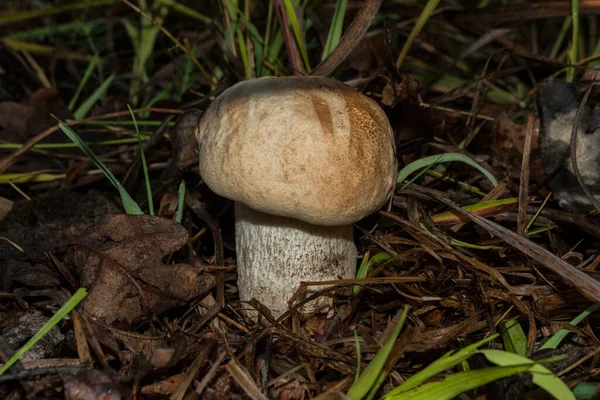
x: 30, y: 373
x: 189, y: 375
x: 241, y: 376
x: 211, y: 373
x: 579, y: 279
x: 350, y: 39
x: 594, y: 353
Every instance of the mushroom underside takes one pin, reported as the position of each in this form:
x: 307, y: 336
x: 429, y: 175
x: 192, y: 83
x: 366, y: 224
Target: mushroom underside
x: 275, y: 254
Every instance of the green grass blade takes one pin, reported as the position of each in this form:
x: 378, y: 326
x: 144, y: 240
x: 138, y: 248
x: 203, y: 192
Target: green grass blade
x: 180, y: 8
x: 275, y: 48
x: 180, y: 202
x: 370, y: 375
x: 446, y: 157
x: 30, y: 177
x: 425, y: 14
x: 458, y: 383
x: 86, y: 76
x: 56, y: 318
x: 267, y: 36
x: 46, y: 50
x: 335, y: 30
x: 52, y: 30
x: 129, y: 204
x: 447, y: 361
x: 514, y: 338
x: 464, y: 186
x: 258, y: 44
x: 110, y: 123
x: 88, y: 152
x: 72, y: 145
x: 425, y: 170
x: 291, y: 13
x: 575, y: 39
x: 377, y: 259
x: 143, y: 44
x: 586, y: 390
x: 561, y: 37
x: 558, y: 337
x: 133, y: 33
x: 96, y: 96
x: 537, y: 213
x: 144, y: 164
x: 542, y: 376
x: 460, y: 243
x: 9, y: 18
x: 244, y: 54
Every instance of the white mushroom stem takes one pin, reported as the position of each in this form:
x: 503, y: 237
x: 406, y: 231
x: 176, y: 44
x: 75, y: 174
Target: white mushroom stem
x: 275, y: 254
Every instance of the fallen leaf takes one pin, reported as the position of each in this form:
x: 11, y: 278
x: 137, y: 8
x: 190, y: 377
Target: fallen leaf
x: 120, y: 263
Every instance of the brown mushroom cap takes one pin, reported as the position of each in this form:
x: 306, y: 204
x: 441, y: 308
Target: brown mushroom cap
x: 309, y: 148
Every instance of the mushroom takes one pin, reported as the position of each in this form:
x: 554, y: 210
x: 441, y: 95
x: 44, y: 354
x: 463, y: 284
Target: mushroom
x: 303, y: 158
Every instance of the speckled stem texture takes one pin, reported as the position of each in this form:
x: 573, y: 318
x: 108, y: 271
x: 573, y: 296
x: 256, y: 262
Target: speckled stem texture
x: 275, y: 254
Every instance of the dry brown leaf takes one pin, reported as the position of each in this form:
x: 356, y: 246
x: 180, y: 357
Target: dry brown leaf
x: 120, y: 263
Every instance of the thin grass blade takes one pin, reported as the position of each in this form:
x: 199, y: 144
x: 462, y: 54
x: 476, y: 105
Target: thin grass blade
x: 542, y: 376
x: 96, y: 96
x: 56, y: 318
x: 442, y: 364
x: 335, y: 30
x: 446, y: 157
x: 291, y: 13
x: 423, y: 18
x: 458, y: 383
x: 558, y: 337
x: 129, y: 204
x: 86, y: 76
x: 144, y: 164
x: 514, y: 338
x: 14, y: 17
x: 370, y: 375
x: 378, y: 258
x: 180, y: 202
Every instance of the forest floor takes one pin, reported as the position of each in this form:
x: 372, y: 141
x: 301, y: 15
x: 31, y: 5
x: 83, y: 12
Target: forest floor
x: 478, y: 280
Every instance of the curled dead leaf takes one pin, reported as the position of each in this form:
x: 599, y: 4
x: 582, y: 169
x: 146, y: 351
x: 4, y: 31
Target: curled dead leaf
x: 120, y: 263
